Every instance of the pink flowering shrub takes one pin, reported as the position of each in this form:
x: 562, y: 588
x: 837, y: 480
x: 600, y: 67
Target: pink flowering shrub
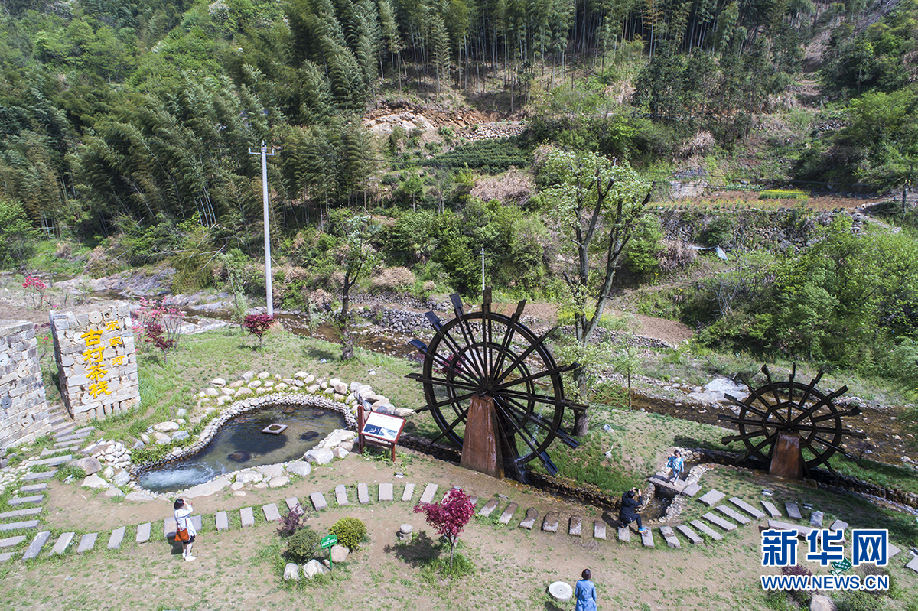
x: 449, y: 516
x: 36, y: 284
x: 158, y: 324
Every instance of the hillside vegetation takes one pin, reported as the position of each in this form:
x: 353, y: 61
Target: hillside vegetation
x: 131, y: 132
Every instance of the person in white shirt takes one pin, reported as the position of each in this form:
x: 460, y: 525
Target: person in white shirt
x: 184, y: 527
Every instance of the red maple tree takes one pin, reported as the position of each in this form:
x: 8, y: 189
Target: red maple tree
x: 449, y: 516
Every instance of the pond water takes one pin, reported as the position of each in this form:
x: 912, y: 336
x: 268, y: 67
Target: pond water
x: 240, y: 443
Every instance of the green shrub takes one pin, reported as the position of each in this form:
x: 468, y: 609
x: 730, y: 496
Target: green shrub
x: 66, y: 471
x: 784, y: 194
x: 350, y: 532
x: 302, y: 545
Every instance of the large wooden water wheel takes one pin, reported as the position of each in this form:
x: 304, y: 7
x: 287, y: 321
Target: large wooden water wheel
x: 487, y: 354
x: 791, y: 407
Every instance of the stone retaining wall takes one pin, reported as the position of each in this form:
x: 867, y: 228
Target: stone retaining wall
x: 24, y: 413
x: 96, y: 356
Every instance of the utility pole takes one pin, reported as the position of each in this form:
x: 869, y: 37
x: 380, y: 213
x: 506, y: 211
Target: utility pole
x: 264, y: 194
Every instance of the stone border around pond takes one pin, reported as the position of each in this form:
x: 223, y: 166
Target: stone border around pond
x: 247, y: 405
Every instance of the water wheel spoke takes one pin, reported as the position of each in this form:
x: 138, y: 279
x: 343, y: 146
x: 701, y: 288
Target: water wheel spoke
x: 457, y: 353
x: 517, y: 425
x: 744, y: 436
x: 531, y: 377
x: 447, y: 383
x: 456, y: 399
x: 825, y: 401
x: 522, y: 356
x: 543, y: 422
x: 449, y: 429
x: 770, y: 439
x: 469, y: 335
x: 548, y: 399
x: 507, y: 340
x: 813, y: 428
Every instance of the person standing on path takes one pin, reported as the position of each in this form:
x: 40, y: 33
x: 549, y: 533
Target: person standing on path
x: 675, y: 463
x: 184, y: 527
x: 585, y: 593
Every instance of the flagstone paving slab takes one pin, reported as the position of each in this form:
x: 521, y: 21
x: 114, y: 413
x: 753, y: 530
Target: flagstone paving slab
x: 599, y: 529
x: 18, y: 525
x: 793, y: 511
x: 22, y: 500
x: 429, y: 492
x: 271, y: 512
x: 20, y: 513
x: 691, y: 490
x: 318, y: 501
x: 292, y: 503
x: 816, y: 519
x: 87, y: 542
x: 913, y: 564
x: 647, y: 537
x: 488, y: 509
x: 690, y: 534
x: 34, y: 487
x: 755, y: 513
x: 624, y: 534
x: 30, y: 477
x: 385, y: 492
x: 117, y: 536
x: 802, y: 531
x: 37, y: 543
x: 838, y: 525
x: 247, y: 516
x: 363, y: 493
x: 222, y: 520
x: 727, y: 511
x: 143, y: 533
x: 508, y: 513
x: 718, y: 521
x: 408, y: 493
x: 699, y: 525
x: 341, y: 495
x: 550, y: 523
x: 771, y: 509
x: 529, y: 521
x: 11, y: 541
x: 711, y: 497
x: 7, y: 556
x: 62, y: 543
x: 575, y: 526
x: 670, y: 537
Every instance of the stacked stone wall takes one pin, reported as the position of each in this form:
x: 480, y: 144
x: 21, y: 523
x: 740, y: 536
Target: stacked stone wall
x: 24, y: 413
x: 97, y: 360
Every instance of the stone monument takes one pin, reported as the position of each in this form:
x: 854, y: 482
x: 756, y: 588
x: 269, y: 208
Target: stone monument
x: 24, y: 413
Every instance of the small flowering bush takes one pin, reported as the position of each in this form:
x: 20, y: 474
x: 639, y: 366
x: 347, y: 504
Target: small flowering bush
x: 36, y: 284
x: 449, y: 516
x: 258, y: 324
x: 158, y: 324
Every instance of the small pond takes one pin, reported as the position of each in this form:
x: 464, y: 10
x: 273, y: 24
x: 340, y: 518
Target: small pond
x: 240, y: 443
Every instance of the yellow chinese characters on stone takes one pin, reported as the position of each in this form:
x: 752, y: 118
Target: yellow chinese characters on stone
x: 112, y: 326
x: 92, y: 337
x: 99, y: 388
x: 116, y: 341
x: 118, y: 360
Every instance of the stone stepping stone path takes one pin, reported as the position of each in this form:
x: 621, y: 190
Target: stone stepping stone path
x: 550, y: 522
x: 318, y: 501
x: 711, y: 497
x: 62, y: 543
x: 802, y: 531
x: 793, y: 511
x: 31, y: 477
x: 222, y: 520
x: 21, y: 500
x: 18, y: 525
x: 248, y: 518
x: 143, y: 533
x: 20, y: 513
x: 33, y: 488
x: 771, y: 509
x: 408, y: 493
x: 691, y: 490
x: 699, y: 525
x: 385, y: 492
x: 647, y: 537
x: 718, y: 521
x: 816, y: 519
x: 838, y: 525
x: 87, y: 542
x: 529, y: 521
x: 624, y: 534
x: 37, y: 543
x: 169, y: 526
x: 488, y: 509
x: 732, y: 514
x: 117, y: 536
x: 271, y: 512
x: 292, y: 503
x: 363, y: 494
x: 53, y: 462
x: 574, y: 526
x: 429, y: 492
x: 599, y: 530
x: 11, y: 541
x: 506, y: 516
x: 913, y: 564
x: 690, y: 534
x: 755, y: 513
x: 341, y: 495
x: 670, y: 537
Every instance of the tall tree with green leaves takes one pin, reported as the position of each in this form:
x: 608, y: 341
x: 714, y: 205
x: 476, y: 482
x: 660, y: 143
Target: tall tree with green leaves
x: 595, y: 203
